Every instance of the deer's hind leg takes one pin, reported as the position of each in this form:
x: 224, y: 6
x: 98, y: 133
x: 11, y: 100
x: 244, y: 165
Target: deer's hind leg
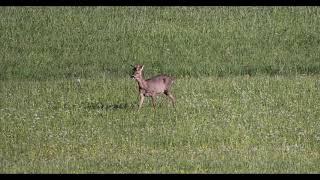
x: 154, y: 102
x: 172, y: 98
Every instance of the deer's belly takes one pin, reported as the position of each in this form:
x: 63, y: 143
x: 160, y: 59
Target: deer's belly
x: 151, y: 93
x: 148, y: 94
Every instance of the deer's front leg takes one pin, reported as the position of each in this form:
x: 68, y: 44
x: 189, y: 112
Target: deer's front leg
x: 141, y: 101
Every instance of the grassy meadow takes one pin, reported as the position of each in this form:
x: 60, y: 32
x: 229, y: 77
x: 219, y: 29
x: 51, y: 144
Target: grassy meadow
x: 247, y: 90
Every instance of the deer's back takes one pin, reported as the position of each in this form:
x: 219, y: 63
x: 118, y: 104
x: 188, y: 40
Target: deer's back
x: 160, y: 83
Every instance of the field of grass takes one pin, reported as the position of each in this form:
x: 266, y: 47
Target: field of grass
x: 247, y: 90
x: 54, y: 42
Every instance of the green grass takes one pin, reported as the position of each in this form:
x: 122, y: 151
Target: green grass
x: 247, y: 90
x: 54, y: 42
x: 228, y: 125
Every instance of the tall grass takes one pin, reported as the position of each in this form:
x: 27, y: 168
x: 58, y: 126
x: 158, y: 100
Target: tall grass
x: 58, y: 42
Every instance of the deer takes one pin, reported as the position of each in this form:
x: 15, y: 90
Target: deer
x: 153, y: 86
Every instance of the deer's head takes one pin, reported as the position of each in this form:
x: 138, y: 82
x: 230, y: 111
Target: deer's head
x: 137, y: 71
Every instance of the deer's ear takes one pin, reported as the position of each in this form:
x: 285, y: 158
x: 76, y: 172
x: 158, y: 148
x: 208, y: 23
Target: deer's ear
x: 142, y: 67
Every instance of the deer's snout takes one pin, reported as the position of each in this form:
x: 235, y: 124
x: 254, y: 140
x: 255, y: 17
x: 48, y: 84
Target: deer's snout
x: 133, y: 76
x: 136, y: 74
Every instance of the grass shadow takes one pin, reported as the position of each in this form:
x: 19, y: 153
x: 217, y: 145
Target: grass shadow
x: 107, y: 106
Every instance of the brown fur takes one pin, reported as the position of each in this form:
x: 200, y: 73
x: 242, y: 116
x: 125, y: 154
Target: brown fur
x: 152, y: 87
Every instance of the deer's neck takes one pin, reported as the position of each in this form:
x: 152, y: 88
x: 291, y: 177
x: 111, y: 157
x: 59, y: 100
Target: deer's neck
x: 142, y: 83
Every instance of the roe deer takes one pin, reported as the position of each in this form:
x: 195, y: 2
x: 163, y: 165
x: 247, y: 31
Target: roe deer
x: 152, y: 86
